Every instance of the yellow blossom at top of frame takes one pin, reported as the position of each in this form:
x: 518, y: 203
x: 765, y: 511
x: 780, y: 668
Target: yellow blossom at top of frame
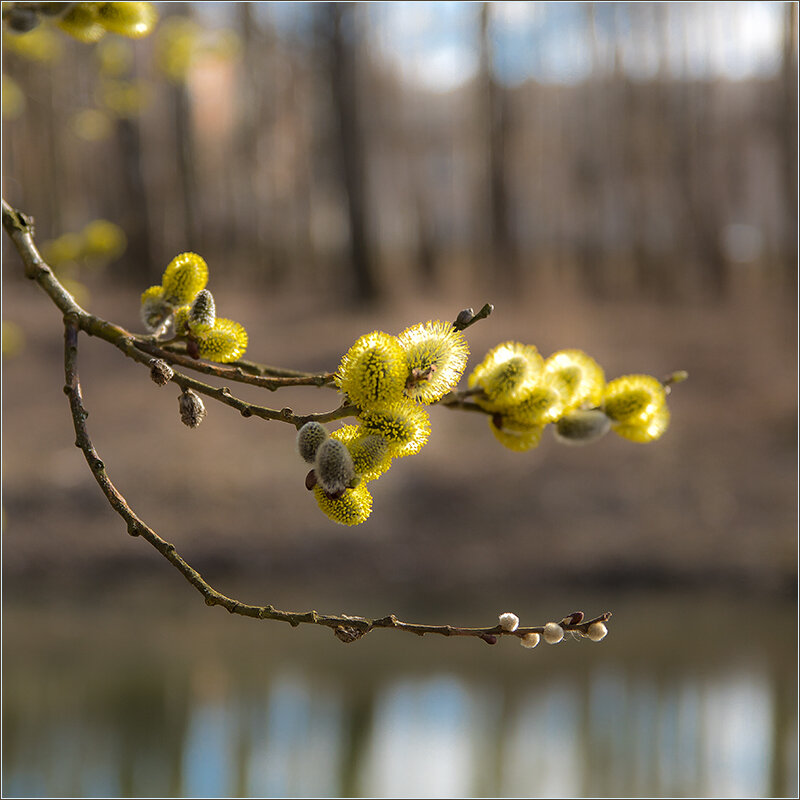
x: 133, y: 20
x: 373, y: 370
x: 436, y: 355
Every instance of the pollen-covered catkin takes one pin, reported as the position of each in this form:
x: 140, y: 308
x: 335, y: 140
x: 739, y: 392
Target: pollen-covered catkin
x: 226, y: 341
x: 133, y: 20
x: 334, y: 467
x: 373, y: 370
x: 184, y: 277
x: 309, y: 438
x: 436, y: 354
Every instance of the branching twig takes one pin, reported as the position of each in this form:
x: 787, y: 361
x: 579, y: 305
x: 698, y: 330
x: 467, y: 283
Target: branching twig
x: 346, y: 627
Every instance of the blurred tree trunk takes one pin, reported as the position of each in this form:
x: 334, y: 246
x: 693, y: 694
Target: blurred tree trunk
x: 427, y: 256
x: 343, y: 61
x: 136, y: 216
x: 495, y: 112
x: 185, y: 152
x: 257, y: 100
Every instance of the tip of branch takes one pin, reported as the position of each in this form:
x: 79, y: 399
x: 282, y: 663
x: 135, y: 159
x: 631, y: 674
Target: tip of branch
x: 468, y: 317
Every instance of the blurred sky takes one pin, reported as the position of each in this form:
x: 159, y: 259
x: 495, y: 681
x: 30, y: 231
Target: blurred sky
x: 434, y: 44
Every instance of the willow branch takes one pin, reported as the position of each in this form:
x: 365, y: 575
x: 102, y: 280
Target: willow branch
x: 346, y: 627
x: 20, y: 229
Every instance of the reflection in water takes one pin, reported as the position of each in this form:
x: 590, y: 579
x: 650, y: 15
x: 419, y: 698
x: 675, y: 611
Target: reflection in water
x: 423, y: 742
x: 609, y: 729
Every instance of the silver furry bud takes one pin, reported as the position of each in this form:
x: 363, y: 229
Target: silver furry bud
x: 309, y: 438
x: 334, y: 467
x: 582, y: 427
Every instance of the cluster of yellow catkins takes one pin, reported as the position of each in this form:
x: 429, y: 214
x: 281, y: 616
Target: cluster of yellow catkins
x: 389, y: 379
x: 523, y: 393
x: 182, y: 300
x: 87, y: 22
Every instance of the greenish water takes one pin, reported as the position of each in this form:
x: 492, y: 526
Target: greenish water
x: 146, y: 697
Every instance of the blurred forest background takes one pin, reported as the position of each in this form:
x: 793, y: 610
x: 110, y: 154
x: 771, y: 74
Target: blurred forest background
x: 627, y: 149
x: 618, y: 177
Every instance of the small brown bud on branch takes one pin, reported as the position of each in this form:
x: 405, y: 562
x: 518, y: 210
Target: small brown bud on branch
x: 160, y: 372
x: 192, y: 409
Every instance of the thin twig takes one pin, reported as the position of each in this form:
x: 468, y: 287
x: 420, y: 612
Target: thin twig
x: 347, y: 628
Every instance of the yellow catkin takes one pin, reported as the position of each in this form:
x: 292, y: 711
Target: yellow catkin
x: 184, y: 277
x: 82, y: 22
x: 507, y: 372
x: 519, y: 440
x: 436, y: 355
x: 633, y: 399
x: 582, y: 377
x: 133, y: 20
x: 405, y: 426
x: 352, y: 508
x: 371, y: 458
x: 225, y: 342
x: 542, y: 403
x: 648, y: 430
x: 373, y: 370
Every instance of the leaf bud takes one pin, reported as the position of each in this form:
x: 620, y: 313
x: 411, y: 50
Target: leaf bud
x: 509, y: 622
x: 597, y: 631
x: 309, y: 438
x: 553, y: 633
x: 160, y: 372
x: 334, y: 467
x: 192, y: 409
x: 465, y: 317
x: 530, y: 640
